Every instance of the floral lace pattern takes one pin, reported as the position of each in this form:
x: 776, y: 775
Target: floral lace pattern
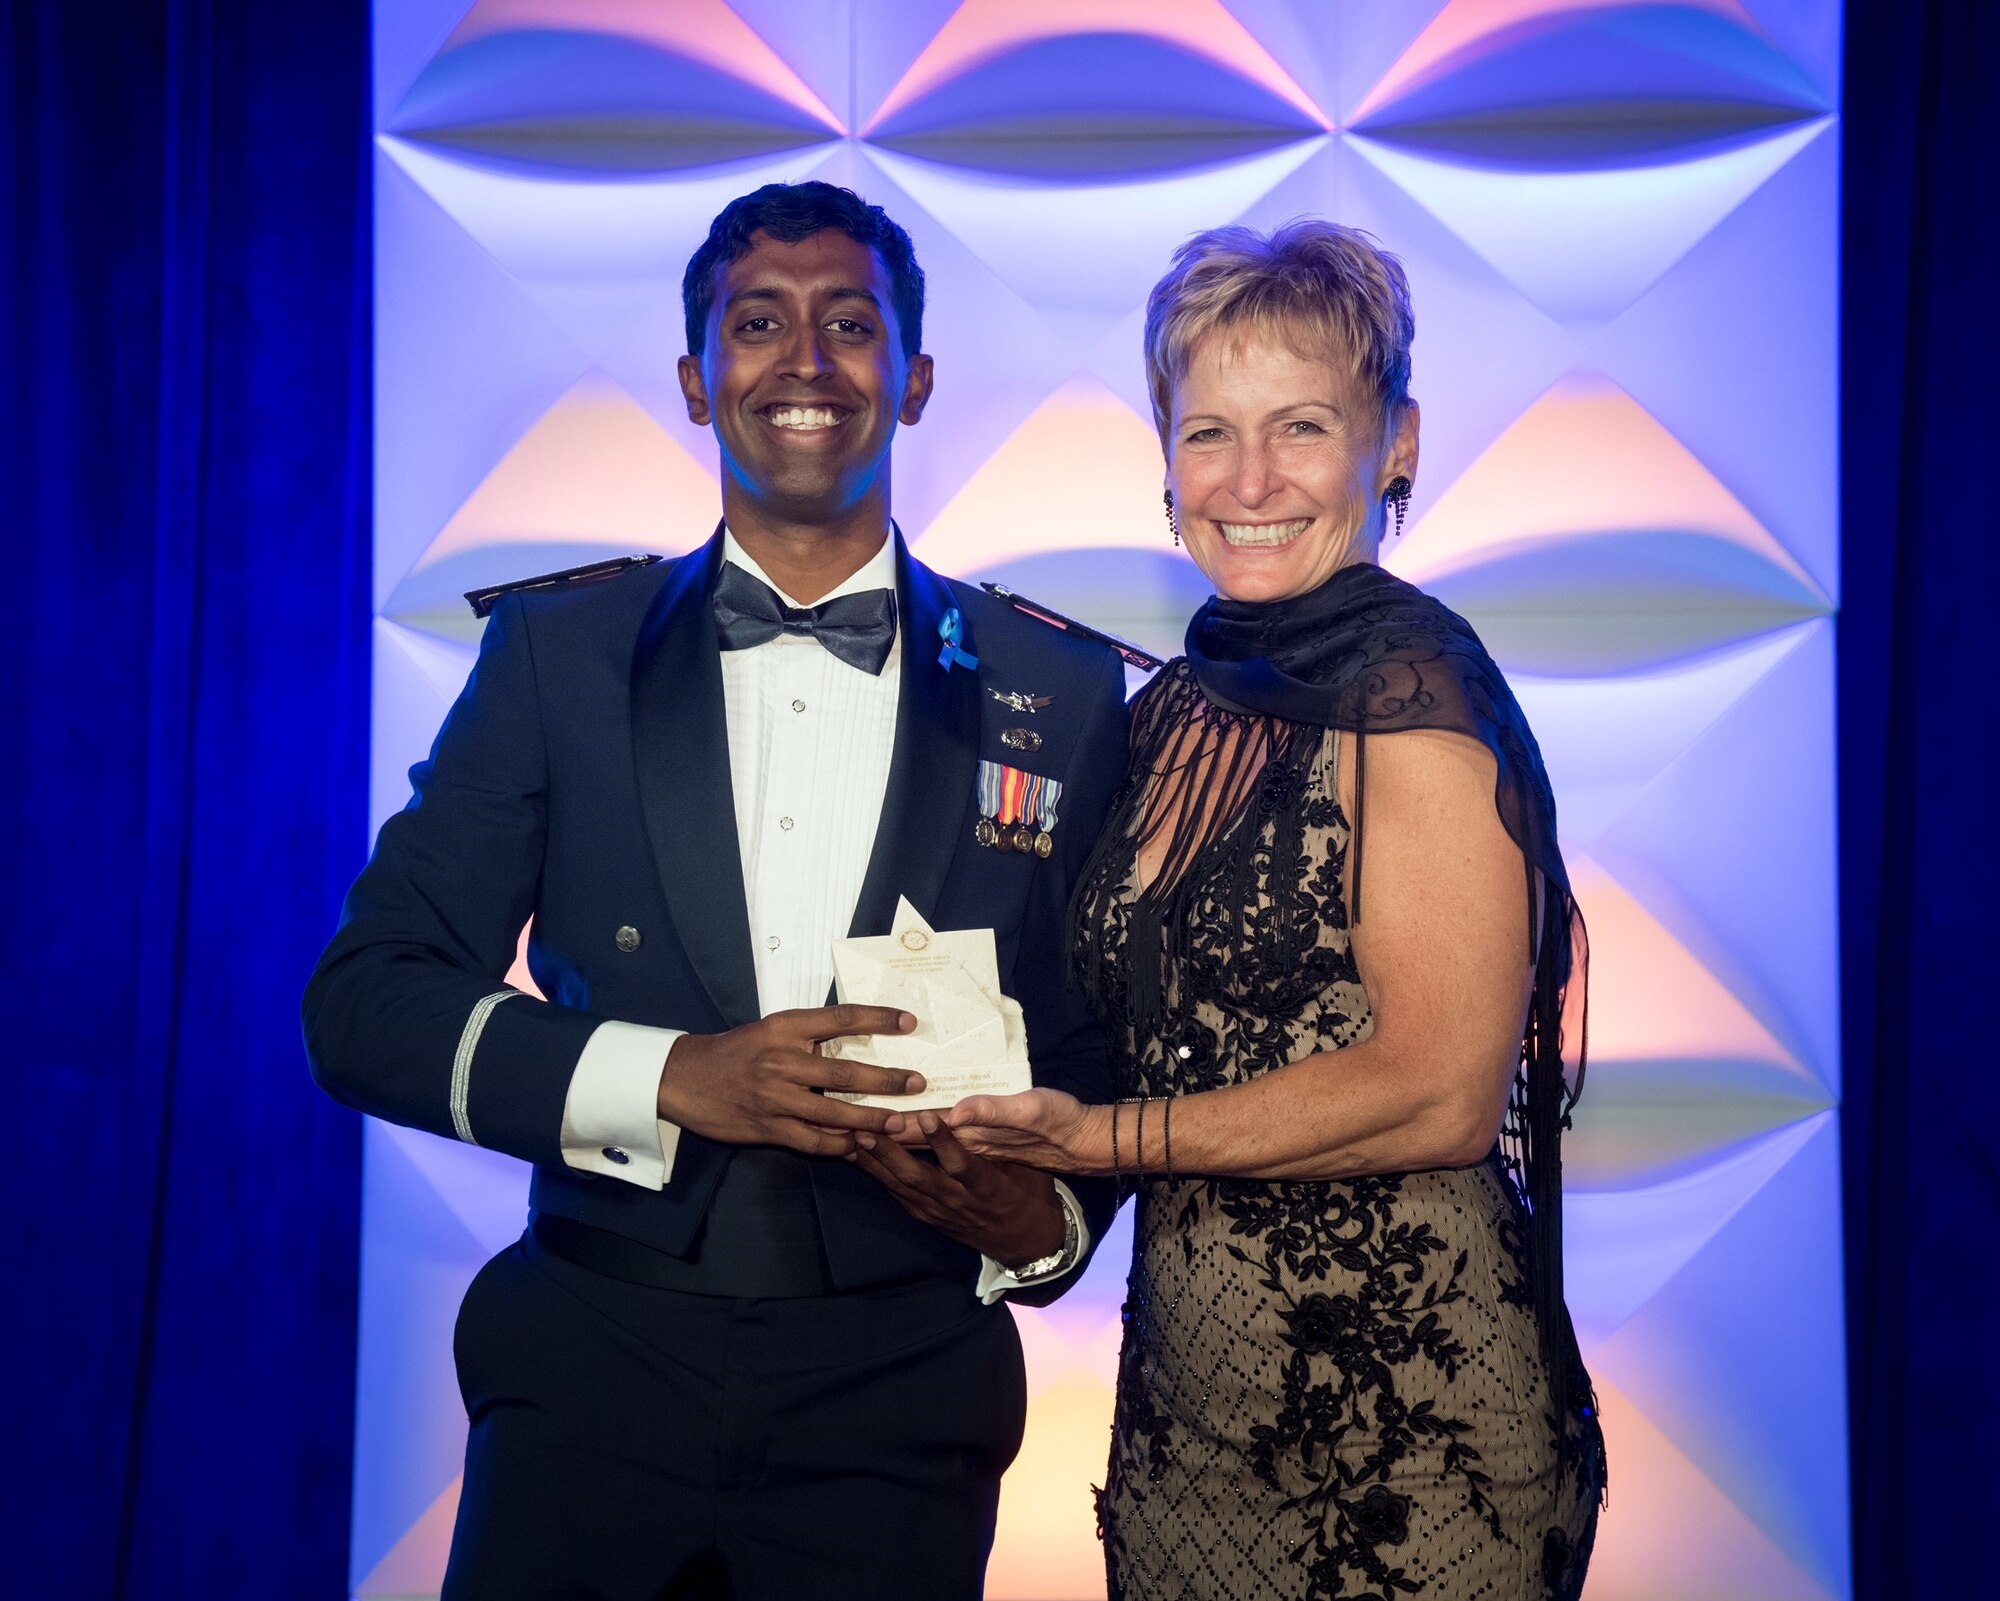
x: 1325, y: 1389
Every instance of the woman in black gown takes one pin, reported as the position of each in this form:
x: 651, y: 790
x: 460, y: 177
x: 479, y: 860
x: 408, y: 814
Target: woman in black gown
x: 1347, y: 1368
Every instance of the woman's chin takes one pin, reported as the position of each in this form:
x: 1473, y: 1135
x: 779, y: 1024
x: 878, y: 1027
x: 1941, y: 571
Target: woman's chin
x: 1258, y: 583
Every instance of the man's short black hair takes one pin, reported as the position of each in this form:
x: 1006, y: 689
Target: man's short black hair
x: 789, y: 212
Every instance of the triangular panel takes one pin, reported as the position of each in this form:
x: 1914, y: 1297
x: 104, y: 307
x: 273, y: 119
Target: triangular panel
x: 1621, y: 1246
x: 982, y: 30
x: 996, y: 356
x: 1046, y: 1547
x: 1585, y: 245
x: 1732, y: 849
x: 1606, y: 739
x: 415, y: 1565
x: 1671, y: 1534
x: 459, y: 339
x: 595, y: 477
x: 1651, y: 999
x: 1126, y: 230
x: 1757, y: 395
x: 1083, y: 470
x: 595, y: 253
x: 1740, y: 1360
x: 403, y: 38
x: 409, y: 1421
x: 1587, y: 539
x: 412, y: 687
x: 704, y: 31
x: 486, y: 1190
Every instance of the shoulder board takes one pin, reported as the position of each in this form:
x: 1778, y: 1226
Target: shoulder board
x: 482, y: 601
x: 1134, y: 656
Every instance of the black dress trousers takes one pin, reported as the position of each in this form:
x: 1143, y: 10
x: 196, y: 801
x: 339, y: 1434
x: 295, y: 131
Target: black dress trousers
x: 638, y: 1444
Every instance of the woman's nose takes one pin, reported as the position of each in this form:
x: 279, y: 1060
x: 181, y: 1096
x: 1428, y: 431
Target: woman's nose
x: 1254, y: 478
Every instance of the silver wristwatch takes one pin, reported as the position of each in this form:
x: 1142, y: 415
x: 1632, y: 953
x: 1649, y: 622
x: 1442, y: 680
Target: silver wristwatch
x: 1061, y: 1257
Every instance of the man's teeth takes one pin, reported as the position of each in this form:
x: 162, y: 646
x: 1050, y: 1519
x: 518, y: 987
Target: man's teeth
x: 803, y: 417
x: 1264, y: 533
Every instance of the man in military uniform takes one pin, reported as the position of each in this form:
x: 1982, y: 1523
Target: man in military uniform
x: 750, y: 1344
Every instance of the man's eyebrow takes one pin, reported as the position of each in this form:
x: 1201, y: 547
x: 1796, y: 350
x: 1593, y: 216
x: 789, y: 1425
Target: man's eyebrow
x: 838, y: 292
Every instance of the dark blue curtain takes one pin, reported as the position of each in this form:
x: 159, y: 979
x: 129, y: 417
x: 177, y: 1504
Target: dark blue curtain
x: 1920, y: 850
x: 183, y: 721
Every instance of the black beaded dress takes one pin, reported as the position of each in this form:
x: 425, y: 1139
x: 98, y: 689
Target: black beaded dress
x: 1326, y: 1389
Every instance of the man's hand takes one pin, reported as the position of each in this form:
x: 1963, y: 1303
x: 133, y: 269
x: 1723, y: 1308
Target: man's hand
x: 1000, y: 1209
x: 759, y: 1084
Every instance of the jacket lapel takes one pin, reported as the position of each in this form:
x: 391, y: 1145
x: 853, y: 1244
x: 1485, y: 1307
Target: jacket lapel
x: 925, y: 814
x: 680, y: 744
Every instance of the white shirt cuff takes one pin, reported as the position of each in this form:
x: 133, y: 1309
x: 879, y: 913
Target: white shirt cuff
x: 611, y: 1120
x: 995, y: 1281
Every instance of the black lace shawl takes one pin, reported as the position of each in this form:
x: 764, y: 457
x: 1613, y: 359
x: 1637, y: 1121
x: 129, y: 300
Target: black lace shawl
x: 1370, y: 654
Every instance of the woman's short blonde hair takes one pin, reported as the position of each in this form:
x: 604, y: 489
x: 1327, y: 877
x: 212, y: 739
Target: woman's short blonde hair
x: 1331, y: 290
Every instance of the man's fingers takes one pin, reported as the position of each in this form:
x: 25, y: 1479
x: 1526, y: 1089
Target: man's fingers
x: 918, y: 1202
x: 921, y: 1177
x: 831, y: 1022
x: 813, y: 1139
x: 952, y: 1157
x: 829, y: 1113
x: 857, y: 1078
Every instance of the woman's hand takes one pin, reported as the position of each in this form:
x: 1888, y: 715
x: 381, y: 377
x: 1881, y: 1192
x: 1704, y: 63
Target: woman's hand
x: 1041, y: 1128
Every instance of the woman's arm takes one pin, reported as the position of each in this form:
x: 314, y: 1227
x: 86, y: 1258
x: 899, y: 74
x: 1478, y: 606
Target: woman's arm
x: 1442, y: 954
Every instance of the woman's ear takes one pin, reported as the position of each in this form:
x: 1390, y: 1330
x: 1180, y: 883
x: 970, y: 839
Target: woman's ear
x: 1401, y: 459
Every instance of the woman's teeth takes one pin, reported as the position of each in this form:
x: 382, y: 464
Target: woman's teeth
x: 803, y: 417
x: 1264, y: 533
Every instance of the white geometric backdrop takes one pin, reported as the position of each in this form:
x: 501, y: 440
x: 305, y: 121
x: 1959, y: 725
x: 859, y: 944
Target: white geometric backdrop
x: 1619, y: 224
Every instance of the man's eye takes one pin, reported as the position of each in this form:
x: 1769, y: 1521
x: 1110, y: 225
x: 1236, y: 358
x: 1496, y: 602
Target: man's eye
x: 755, y: 325
x: 847, y: 325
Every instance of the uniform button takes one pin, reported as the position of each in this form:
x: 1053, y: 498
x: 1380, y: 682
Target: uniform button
x: 627, y: 938
x: 798, y: 705
x: 773, y: 943
x: 613, y: 1154
x: 785, y: 823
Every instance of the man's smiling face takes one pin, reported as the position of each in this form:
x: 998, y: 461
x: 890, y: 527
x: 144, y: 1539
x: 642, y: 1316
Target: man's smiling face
x: 804, y: 378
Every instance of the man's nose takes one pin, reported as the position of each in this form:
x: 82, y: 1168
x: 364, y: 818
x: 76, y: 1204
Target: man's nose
x: 805, y: 355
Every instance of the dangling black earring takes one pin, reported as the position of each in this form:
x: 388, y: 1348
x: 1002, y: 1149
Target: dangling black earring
x: 1171, y: 523
x: 1397, y: 495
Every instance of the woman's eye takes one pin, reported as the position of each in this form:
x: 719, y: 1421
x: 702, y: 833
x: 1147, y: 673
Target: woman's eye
x: 1204, y: 436
x: 1303, y: 425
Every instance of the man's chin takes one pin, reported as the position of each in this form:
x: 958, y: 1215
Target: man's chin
x: 809, y: 502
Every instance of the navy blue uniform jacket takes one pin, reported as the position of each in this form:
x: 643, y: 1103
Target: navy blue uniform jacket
x: 582, y: 778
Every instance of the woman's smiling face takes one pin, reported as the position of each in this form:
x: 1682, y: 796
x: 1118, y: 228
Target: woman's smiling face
x: 1278, y: 464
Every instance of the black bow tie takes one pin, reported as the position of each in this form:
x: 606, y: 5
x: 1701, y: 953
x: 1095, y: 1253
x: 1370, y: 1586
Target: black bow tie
x: 858, y: 629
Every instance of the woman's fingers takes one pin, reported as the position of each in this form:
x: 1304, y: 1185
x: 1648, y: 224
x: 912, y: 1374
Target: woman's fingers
x: 995, y: 1111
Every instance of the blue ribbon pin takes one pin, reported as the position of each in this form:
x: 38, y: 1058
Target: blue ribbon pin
x: 952, y: 631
